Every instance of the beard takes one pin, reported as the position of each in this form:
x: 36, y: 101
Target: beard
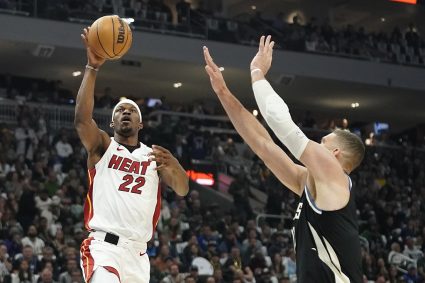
x: 125, y: 131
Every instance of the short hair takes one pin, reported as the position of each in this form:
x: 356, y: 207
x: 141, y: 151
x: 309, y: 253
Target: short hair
x: 353, y: 145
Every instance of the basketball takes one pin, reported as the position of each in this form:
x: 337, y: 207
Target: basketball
x: 110, y: 37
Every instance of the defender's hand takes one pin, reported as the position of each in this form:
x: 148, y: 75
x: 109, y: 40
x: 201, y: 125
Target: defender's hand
x: 216, y: 77
x: 92, y: 59
x: 263, y: 58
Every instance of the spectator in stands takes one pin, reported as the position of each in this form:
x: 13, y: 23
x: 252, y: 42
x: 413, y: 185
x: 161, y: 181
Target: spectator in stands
x: 232, y: 265
x: 411, y: 250
x: 46, y: 276
x: 29, y: 256
x: 21, y: 273
x: 66, y: 276
x: 26, y: 140
x: 183, y: 12
x: 33, y: 240
x: 63, y: 148
x: 175, y: 276
x: 241, y: 192
x: 106, y: 100
x: 412, y: 275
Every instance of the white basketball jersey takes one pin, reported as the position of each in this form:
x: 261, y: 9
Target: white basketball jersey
x: 124, y: 197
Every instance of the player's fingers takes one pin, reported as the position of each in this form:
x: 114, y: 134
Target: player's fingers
x: 261, y: 45
x: 209, y: 60
x: 267, y: 43
x: 270, y: 49
x: 161, y: 166
x: 84, y: 39
x: 210, y: 71
x: 158, y: 147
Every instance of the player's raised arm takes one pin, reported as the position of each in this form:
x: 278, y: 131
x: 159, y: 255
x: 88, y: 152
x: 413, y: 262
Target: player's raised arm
x: 323, y: 162
x: 91, y: 136
x: 254, y: 134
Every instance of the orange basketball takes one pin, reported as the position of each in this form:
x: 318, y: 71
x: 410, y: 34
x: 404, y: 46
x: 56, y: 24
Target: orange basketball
x: 110, y: 37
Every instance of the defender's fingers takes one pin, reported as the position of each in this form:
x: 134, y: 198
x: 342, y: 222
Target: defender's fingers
x: 261, y: 45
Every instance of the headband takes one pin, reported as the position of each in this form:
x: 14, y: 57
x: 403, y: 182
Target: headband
x: 129, y: 101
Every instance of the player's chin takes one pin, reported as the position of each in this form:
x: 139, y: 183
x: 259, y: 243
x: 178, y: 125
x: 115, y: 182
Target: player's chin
x: 126, y: 130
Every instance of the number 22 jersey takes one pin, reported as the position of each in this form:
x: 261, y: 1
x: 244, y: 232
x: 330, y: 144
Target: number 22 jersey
x: 124, y: 196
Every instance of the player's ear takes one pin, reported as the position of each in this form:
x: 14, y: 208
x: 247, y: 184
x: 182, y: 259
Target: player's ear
x: 111, y: 125
x: 140, y: 125
x: 336, y: 152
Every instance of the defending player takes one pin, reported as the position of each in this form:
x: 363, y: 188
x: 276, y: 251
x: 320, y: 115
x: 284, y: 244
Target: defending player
x: 124, y: 199
x: 325, y: 224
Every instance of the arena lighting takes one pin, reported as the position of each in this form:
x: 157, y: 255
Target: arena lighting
x: 355, y: 105
x: 76, y: 73
x: 202, y: 178
x: 177, y: 85
x: 413, y: 2
x: 221, y: 69
x: 255, y: 112
x: 122, y: 98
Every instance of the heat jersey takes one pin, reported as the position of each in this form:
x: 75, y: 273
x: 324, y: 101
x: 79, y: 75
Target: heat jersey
x: 124, y: 197
x: 326, y: 243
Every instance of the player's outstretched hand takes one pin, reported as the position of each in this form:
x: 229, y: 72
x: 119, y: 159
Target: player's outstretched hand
x: 263, y: 59
x: 216, y: 77
x: 163, y: 157
x: 92, y: 59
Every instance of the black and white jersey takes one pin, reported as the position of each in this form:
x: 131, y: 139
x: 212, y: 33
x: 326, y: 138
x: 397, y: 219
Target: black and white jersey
x: 326, y: 243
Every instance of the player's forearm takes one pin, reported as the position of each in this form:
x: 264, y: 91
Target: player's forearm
x: 85, y: 98
x: 248, y: 127
x: 179, y: 180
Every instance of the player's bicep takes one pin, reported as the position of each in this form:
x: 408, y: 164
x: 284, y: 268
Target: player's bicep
x: 91, y: 136
x: 289, y: 173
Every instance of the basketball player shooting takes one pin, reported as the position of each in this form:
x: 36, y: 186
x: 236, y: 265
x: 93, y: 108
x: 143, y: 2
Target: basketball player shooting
x: 124, y: 199
x: 325, y: 223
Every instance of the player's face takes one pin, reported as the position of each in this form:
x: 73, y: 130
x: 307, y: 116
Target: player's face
x: 126, y: 120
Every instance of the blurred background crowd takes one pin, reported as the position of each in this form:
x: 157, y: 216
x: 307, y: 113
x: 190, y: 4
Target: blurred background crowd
x: 43, y: 178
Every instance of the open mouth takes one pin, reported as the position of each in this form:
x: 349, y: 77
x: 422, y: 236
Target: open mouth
x: 126, y: 119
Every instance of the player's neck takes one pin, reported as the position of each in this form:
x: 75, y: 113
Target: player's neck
x: 131, y: 141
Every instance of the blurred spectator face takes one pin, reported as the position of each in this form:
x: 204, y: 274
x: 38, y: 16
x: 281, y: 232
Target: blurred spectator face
x: 46, y: 276
x: 3, y: 251
x: 218, y: 275
x: 24, y: 265
x: 71, y: 264
x: 28, y: 252
x: 165, y: 251
x: 235, y: 252
x: 210, y: 280
x: 32, y: 231
x: 48, y: 253
x: 189, y: 279
x: 409, y: 242
x: 194, y: 249
x: 194, y: 271
x: 76, y: 276
x: 174, y: 270
x: 395, y: 247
